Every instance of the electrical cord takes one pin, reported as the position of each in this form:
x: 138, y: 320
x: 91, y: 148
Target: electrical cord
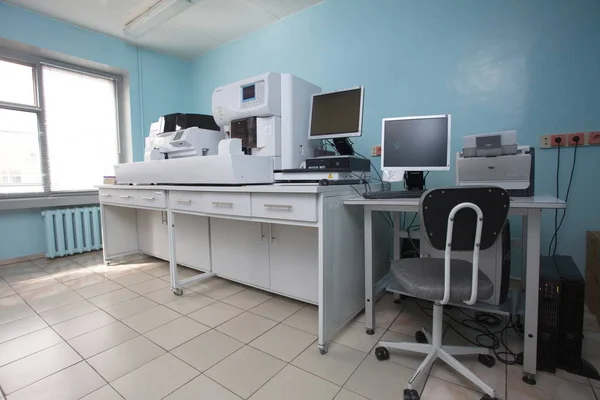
x: 558, y: 140
x: 2, y: 393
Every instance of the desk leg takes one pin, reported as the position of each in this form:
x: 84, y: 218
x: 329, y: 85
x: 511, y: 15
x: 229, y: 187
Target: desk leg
x: 172, y: 255
x: 531, y: 294
x: 369, y: 307
x: 524, y: 252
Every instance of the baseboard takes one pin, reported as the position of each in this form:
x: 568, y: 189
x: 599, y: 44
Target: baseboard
x: 21, y: 259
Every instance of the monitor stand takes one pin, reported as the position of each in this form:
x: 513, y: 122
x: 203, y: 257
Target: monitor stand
x: 343, y: 146
x: 414, y: 180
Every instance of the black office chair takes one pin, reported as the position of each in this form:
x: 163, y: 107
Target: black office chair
x: 459, y: 219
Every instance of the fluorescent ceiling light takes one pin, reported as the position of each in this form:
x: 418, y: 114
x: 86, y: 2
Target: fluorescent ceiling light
x: 157, y: 15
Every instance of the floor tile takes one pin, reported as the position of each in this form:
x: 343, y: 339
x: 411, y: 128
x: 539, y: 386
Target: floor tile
x: 17, y: 267
x: 292, y: 383
x: 35, y: 284
x: 345, y: 394
x: 187, y: 304
x: 591, y: 343
x: 25, y: 275
x: 160, y: 271
x: 84, y: 324
x: 222, y: 290
x: 204, y: 284
x: 6, y: 290
x: 156, y: 379
x: 132, y: 279
x: 182, y: 273
x: 86, y: 281
x: 69, y: 384
x: 215, y: 314
x: 386, y: 311
x: 440, y: 389
x: 102, y: 339
x: 406, y: 358
x: 354, y: 335
x: 54, y: 263
x: 245, y: 371
x: 336, y: 366
x: 153, y: 318
x: 65, y: 276
x: 207, y: 349
x: 209, y: 389
x: 410, y: 320
x: 130, y: 307
x: 113, y: 271
x: 590, y: 322
x: 149, y: 286
x: 98, y: 289
x: 378, y: 380
x: 21, y: 327
x: 595, y: 361
x: 55, y: 301
x: 165, y: 295
x: 175, y: 333
x: 13, y: 308
x: 44, y: 292
x: 247, y: 299
x: 104, y: 393
x: 27, y: 344
x: 495, y: 377
x: 277, y: 308
x: 124, y: 358
x: 307, y: 320
x: 68, y: 312
x: 111, y: 298
x: 283, y: 342
x: 28, y: 370
x: 548, y: 387
x: 246, y: 327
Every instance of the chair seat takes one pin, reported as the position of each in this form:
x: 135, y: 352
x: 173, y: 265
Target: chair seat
x: 424, y: 278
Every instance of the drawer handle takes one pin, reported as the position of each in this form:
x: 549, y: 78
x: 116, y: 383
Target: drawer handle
x: 158, y: 193
x: 104, y: 195
x: 280, y: 206
x: 148, y: 198
x: 125, y: 197
x: 222, y: 204
x: 184, y: 201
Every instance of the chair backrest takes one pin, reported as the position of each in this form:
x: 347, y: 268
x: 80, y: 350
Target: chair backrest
x: 436, y: 205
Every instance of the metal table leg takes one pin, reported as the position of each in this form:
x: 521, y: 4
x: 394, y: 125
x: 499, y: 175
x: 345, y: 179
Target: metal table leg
x: 172, y: 255
x: 369, y: 306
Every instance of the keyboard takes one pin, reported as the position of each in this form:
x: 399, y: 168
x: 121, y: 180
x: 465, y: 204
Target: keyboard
x: 393, y: 194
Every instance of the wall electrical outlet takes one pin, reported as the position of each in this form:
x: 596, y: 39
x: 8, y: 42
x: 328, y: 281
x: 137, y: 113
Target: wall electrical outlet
x: 572, y: 142
x: 555, y: 143
x: 545, y: 142
x: 376, y: 151
x: 594, y: 138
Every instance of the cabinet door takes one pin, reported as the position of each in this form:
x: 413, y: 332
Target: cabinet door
x: 294, y: 261
x: 153, y: 237
x: 192, y: 243
x: 240, y: 250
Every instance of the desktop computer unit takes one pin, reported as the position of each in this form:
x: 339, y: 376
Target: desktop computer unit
x: 548, y: 315
x: 339, y: 164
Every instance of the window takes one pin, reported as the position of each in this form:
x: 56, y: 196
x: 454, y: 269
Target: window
x: 58, y: 128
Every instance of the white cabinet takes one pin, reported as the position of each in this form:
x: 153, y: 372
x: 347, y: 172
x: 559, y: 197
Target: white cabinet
x: 240, y: 250
x: 153, y: 236
x: 294, y: 261
x: 192, y: 241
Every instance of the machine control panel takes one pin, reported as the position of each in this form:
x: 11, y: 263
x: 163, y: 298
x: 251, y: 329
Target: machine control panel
x: 252, y: 94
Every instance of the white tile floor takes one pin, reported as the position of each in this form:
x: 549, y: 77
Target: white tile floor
x: 74, y: 328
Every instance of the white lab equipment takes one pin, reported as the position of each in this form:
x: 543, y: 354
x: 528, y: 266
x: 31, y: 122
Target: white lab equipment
x: 183, y: 143
x: 269, y: 113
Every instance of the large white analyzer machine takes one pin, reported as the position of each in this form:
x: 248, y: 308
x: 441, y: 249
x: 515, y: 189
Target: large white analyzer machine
x: 269, y: 113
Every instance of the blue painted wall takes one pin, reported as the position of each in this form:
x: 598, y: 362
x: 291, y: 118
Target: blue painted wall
x: 494, y: 65
x: 164, y: 89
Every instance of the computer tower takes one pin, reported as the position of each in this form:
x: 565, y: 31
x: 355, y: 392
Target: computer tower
x: 548, y: 315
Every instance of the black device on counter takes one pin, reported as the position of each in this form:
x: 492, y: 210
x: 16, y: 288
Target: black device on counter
x: 338, y: 164
x: 178, y: 121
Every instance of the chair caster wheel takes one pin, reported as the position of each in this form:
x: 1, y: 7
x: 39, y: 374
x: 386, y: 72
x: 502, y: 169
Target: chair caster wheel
x: 178, y: 292
x: 529, y: 379
x: 107, y: 263
x: 322, y: 349
x: 411, y: 394
x: 487, y: 360
x: 420, y: 337
x: 370, y: 331
x: 488, y: 397
x: 382, y: 353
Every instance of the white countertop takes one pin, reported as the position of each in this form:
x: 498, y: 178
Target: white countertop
x: 274, y: 188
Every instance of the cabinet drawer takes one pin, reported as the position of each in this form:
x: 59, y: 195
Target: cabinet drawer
x: 151, y: 198
x: 186, y: 201
x: 296, y: 206
x: 118, y: 196
x: 227, y: 203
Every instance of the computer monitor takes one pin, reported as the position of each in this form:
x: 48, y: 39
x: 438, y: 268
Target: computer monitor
x: 412, y: 144
x: 337, y: 115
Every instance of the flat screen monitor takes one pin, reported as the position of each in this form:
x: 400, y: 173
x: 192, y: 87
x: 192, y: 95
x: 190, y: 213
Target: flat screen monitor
x: 416, y: 143
x: 336, y: 114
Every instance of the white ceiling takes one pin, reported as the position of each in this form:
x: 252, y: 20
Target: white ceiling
x: 204, y: 26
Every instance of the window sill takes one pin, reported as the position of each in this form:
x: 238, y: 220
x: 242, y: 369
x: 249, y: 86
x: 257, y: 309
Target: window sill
x: 50, y: 201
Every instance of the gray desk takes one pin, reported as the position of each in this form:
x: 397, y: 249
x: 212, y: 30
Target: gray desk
x: 530, y: 208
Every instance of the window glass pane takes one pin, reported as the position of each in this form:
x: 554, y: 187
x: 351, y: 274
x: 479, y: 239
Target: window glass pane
x: 16, y: 83
x: 20, y: 162
x: 81, y: 127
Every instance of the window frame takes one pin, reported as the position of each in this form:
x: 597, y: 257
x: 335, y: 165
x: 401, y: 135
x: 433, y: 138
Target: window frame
x: 37, y: 63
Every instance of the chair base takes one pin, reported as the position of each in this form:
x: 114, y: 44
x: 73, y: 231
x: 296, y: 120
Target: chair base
x: 434, y: 350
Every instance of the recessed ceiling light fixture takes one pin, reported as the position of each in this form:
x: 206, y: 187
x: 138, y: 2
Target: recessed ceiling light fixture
x: 156, y: 15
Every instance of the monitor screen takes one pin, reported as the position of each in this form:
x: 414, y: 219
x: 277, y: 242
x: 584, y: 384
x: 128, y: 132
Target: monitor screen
x: 416, y: 143
x: 336, y: 114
